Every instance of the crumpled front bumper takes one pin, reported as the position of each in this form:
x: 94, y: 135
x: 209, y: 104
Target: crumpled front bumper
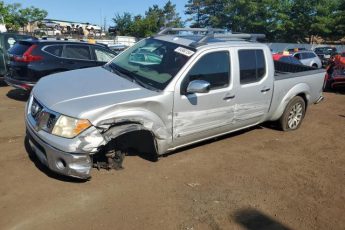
x: 74, y: 165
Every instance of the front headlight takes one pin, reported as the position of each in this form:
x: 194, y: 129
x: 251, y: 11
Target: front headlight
x: 69, y: 127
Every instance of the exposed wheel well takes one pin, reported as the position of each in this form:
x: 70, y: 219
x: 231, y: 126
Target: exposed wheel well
x: 141, y: 142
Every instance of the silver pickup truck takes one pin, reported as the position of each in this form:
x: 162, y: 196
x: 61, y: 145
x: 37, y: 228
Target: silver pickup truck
x: 165, y: 92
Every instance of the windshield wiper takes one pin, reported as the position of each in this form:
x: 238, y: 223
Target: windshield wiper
x: 129, y: 75
x: 112, y: 68
x: 139, y: 82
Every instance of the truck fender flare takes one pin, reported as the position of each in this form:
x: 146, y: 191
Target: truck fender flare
x: 299, y: 89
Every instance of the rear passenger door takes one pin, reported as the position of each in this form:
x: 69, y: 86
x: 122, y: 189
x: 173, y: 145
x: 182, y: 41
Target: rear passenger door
x: 77, y: 56
x: 254, y: 87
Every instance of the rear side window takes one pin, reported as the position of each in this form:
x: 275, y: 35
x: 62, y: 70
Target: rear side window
x: 252, y: 66
x: 298, y: 56
x: 103, y: 56
x: 77, y: 52
x: 19, y: 48
x: 289, y: 59
x: 213, y: 68
x: 55, y: 50
x: 307, y: 55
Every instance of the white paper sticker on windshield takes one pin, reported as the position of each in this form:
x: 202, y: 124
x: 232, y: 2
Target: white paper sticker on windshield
x: 184, y: 51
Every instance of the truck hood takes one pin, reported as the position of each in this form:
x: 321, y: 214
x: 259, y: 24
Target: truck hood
x: 79, y: 92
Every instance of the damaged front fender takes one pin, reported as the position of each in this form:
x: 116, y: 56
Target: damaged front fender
x: 135, y: 121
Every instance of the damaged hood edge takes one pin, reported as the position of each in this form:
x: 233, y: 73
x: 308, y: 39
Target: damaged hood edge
x: 84, y: 92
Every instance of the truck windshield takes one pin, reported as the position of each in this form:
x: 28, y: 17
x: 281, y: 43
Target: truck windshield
x: 152, y: 63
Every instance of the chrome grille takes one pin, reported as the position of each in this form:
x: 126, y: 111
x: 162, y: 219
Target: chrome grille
x: 44, y: 118
x: 36, y: 109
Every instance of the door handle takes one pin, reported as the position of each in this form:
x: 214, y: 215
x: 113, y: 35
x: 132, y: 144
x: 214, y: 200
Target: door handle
x: 229, y: 97
x: 265, y: 90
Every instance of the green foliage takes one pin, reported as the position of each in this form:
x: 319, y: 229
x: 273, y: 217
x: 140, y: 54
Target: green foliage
x: 280, y: 20
x: 15, y: 16
x: 153, y: 20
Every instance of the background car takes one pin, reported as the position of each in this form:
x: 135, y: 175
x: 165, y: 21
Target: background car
x: 293, y: 50
x: 308, y: 58
x: 31, y: 60
x: 49, y: 24
x: 325, y: 53
x: 335, y: 75
x: 287, y: 59
x: 7, y: 40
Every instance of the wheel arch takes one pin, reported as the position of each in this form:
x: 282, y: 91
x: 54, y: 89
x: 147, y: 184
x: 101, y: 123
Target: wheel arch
x: 138, y: 122
x: 302, y: 90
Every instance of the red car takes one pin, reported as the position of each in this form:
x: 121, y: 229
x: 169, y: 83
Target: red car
x: 335, y: 75
x: 286, y: 58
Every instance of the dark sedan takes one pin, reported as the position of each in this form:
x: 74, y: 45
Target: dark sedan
x: 31, y: 60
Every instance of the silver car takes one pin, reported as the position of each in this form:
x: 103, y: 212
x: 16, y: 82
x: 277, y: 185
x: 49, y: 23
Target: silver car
x: 308, y: 58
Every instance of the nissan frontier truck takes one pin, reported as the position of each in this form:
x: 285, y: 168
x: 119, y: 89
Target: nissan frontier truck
x: 167, y: 91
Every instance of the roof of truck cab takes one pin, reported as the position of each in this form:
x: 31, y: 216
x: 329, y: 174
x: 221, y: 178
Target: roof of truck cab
x: 211, y: 43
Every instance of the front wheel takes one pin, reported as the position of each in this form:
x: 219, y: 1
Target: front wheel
x: 293, y: 114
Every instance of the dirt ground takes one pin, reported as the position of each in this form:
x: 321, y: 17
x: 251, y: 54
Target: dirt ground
x: 260, y: 178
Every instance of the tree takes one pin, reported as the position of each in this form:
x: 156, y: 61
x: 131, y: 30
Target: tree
x: 16, y: 17
x: 31, y: 14
x: 171, y: 17
x: 123, y: 23
x: 156, y: 16
x: 146, y: 25
x: 280, y: 20
x: 11, y: 15
x: 195, y: 8
x: 339, y: 21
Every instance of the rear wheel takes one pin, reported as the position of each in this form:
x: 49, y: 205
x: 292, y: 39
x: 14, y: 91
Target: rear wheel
x: 315, y: 65
x: 293, y: 114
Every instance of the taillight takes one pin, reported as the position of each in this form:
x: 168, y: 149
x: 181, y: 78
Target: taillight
x: 28, y: 57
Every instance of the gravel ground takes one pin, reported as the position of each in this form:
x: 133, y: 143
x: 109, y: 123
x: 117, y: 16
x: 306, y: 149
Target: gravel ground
x: 260, y: 178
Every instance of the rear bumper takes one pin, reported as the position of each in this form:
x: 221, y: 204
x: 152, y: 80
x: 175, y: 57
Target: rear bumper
x: 19, y: 84
x: 336, y: 81
x: 74, y: 165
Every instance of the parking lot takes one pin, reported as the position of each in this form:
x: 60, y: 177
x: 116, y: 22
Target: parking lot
x: 260, y: 178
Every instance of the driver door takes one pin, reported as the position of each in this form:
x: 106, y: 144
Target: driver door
x: 201, y: 115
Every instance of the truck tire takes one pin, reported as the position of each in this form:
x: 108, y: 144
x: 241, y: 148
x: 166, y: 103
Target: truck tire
x: 293, y: 114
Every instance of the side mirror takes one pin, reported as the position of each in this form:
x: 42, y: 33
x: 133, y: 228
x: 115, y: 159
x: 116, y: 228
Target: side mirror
x: 198, y: 86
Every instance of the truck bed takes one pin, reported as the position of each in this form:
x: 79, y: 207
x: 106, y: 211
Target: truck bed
x: 285, y: 70
x: 289, y: 79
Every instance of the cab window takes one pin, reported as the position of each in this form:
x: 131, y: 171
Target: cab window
x: 213, y: 68
x: 252, y: 66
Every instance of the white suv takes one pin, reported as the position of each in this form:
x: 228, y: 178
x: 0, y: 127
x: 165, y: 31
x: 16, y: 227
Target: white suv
x: 308, y: 58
